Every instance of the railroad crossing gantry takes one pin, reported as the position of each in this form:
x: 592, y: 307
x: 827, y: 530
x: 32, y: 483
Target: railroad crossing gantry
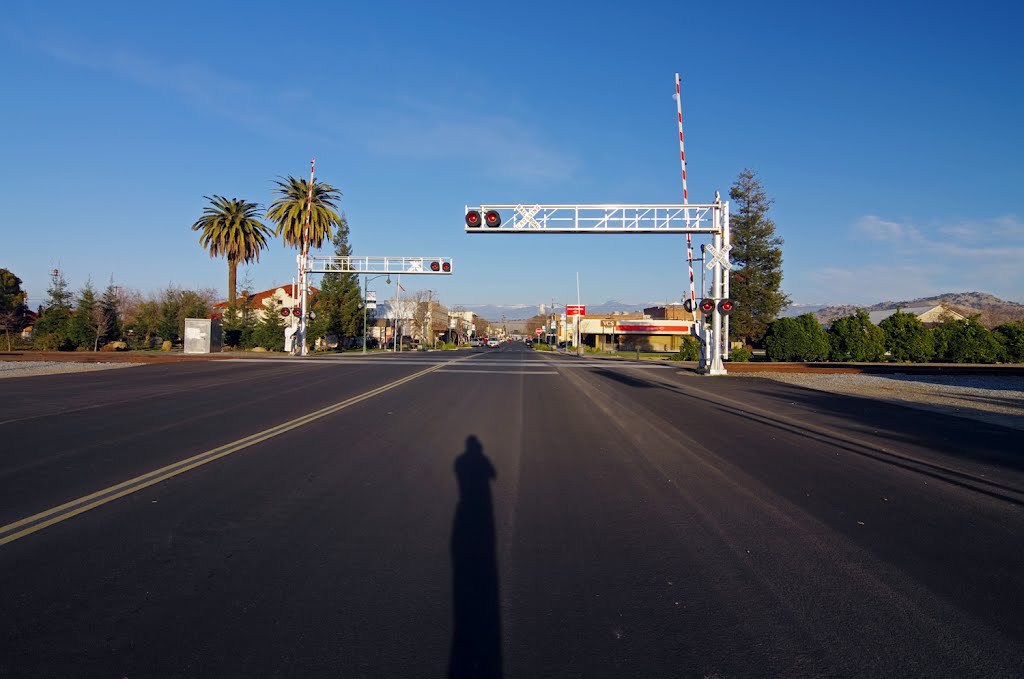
x: 432, y: 266
x: 712, y: 219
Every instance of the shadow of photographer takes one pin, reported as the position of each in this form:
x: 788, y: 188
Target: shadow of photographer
x: 476, y: 641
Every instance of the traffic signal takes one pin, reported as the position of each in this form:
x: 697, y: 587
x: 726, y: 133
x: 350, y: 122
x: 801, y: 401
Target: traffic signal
x: 297, y: 311
x: 725, y: 307
x: 446, y: 267
x: 688, y: 306
x: 706, y: 305
x: 284, y: 311
x: 492, y: 218
x: 473, y: 218
x: 434, y: 266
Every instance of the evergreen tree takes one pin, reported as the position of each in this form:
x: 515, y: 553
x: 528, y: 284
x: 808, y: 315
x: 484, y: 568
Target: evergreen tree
x: 108, y: 307
x: 339, y: 303
x: 906, y: 338
x: 145, y: 324
x: 966, y: 342
x: 83, y: 331
x: 269, y: 331
x: 856, y: 338
x: 797, y: 339
x: 1011, y: 337
x: 170, y: 313
x: 12, y: 304
x: 756, y: 256
x: 53, y: 326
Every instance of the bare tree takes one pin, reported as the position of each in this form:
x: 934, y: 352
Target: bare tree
x: 99, y: 322
x: 10, y: 320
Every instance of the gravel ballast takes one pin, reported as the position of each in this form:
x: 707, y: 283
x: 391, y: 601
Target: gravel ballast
x: 989, y: 398
x: 29, y: 368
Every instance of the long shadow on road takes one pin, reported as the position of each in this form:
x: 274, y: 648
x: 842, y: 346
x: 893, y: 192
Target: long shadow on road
x: 476, y: 642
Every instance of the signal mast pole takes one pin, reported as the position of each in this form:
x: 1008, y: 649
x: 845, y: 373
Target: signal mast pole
x: 303, y: 262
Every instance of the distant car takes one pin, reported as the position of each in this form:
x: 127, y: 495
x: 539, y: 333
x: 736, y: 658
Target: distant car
x: 476, y: 342
x: 493, y: 342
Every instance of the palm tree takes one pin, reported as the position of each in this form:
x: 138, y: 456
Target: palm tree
x: 289, y: 211
x: 232, y: 229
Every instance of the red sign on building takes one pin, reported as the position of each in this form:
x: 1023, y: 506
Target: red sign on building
x: 576, y: 310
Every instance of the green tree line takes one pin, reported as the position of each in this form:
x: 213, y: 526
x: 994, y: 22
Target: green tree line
x: 901, y: 337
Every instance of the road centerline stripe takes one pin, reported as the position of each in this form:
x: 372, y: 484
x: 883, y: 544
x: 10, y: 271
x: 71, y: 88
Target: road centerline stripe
x: 49, y: 517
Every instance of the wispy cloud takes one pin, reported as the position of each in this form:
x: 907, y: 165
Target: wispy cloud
x: 908, y: 260
x: 876, y: 228
x: 195, y: 84
x: 497, y: 145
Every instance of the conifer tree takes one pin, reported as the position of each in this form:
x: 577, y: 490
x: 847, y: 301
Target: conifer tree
x: 108, y: 308
x: 756, y: 256
x: 339, y: 303
x: 52, y: 328
x: 83, y: 331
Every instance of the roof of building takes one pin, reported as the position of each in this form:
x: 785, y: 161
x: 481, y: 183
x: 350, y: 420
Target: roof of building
x: 881, y: 314
x: 258, y: 300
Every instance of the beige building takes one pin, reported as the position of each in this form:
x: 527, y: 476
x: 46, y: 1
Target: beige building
x: 657, y: 329
x: 930, y: 315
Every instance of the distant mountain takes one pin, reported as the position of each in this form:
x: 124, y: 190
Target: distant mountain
x: 992, y: 310
x: 798, y: 309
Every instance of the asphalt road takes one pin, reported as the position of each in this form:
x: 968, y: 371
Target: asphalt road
x: 498, y: 513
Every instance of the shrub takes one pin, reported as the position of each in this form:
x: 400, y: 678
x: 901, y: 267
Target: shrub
x: 966, y: 342
x: 797, y: 339
x: 856, y: 338
x: 689, y: 350
x: 1011, y: 338
x: 741, y: 355
x: 906, y: 338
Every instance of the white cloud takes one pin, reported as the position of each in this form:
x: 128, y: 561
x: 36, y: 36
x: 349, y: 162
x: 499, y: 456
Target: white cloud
x: 876, y: 228
x: 497, y: 145
x: 195, y: 84
x: 914, y: 260
x: 421, y: 130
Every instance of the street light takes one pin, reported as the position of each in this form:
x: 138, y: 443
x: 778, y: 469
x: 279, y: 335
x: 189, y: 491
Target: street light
x: 366, y: 282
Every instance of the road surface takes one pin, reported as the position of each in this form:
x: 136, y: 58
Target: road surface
x: 498, y: 513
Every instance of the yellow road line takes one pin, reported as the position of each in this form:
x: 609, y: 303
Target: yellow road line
x: 37, y: 522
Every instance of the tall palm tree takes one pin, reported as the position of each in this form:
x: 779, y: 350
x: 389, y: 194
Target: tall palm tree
x: 289, y: 211
x: 232, y: 229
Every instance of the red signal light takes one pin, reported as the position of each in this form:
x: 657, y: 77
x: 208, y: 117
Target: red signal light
x: 285, y: 312
x: 492, y: 218
x: 707, y: 305
x: 473, y: 218
x: 726, y: 306
x: 446, y: 267
x: 297, y: 311
x: 434, y: 266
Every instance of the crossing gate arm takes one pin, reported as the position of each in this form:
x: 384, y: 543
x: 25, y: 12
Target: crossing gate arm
x: 434, y: 266
x: 605, y: 218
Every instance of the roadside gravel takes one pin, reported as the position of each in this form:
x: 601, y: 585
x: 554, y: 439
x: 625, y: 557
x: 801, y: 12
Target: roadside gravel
x: 28, y: 368
x: 993, y: 399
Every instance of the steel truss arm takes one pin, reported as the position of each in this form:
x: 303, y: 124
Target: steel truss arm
x: 381, y: 265
x: 610, y: 218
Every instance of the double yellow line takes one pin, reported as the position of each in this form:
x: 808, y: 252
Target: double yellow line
x: 37, y: 522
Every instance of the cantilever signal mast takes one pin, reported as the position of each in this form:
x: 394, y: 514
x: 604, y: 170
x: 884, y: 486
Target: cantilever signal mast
x: 303, y: 259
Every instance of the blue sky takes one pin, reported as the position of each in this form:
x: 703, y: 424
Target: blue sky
x: 889, y: 135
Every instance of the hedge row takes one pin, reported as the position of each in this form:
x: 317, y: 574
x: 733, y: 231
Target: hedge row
x: 900, y: 337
